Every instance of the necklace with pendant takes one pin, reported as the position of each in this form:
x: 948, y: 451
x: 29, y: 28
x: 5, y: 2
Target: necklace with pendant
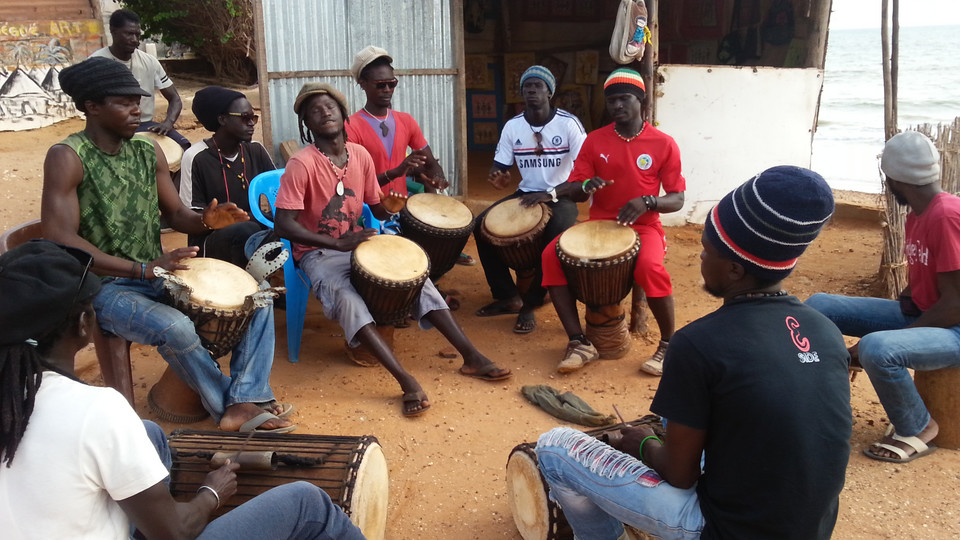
x: 628, y: 139
x: 340, y: 176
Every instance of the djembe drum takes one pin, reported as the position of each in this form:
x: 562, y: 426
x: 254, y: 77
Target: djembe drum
x: 171, y: 149
x: 516, y: 232
x: 351, y: 470
x: 598, y: 258
x: 441, y: 225
x: 535, y: 515
x: 220, y: 298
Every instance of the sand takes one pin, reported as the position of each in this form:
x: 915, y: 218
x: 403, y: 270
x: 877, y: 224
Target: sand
x: 447, y: 467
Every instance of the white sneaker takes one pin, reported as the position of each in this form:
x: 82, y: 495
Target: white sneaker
x: 654, y: 366
x: 578, y: 354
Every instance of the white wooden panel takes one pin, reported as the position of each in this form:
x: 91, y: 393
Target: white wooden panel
x: 732, y: 123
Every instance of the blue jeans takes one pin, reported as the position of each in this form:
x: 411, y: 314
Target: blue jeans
x: 295, y: 510
x: 131, y: 309
x: 600, y: 489
x: 887, y: 349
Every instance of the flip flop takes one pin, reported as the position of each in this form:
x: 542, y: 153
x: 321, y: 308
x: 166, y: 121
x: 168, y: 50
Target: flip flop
x: 919, y: 448
x: 252, y: 424
x: 484, y: 373
x: 466, y: 260
x: 496, y: 308
x: 525, y: 324
x: 419, y: 396
x: 287, y: 408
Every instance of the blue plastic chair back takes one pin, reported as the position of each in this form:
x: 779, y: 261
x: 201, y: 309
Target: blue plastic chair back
x: 297, y: 283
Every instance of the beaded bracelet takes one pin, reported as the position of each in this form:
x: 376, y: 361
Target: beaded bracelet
x: 645, y: 439
x: 204, y: 223
x: 215, y: 494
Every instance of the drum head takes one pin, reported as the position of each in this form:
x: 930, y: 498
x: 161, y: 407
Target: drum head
x: 392, y: 258
x: 528, y: 496
x: 217, y: 284
x: 368, y: 504
x: 597, y: 240
x: 171, y: 150
x: 509, y: 218
x: 439, y: 211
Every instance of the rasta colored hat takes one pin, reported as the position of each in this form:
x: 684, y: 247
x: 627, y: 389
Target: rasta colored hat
x: 911, y: 157
x: 365, y: 57
x: 39, y: 284
x: 624, y: 81
x: 96, y: 78
x: 542, y: 73
x: 767, y: 222
x: 211, y: 102
x: 315, y: 88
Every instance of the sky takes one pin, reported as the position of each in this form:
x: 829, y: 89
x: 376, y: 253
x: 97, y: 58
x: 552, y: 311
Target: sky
x: 866, y: 13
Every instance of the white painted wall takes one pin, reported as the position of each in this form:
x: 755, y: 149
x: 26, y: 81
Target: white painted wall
x: 733, y: 122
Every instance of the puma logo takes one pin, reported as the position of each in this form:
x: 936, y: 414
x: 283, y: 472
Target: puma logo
x: 606, y: 158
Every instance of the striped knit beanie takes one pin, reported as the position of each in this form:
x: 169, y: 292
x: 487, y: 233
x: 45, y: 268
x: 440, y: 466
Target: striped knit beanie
x: 624, y: 81
x: 542, y: 73
x: 767, y: 222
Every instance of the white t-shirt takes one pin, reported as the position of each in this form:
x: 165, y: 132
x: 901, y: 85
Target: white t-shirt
x: 186, y: 171
x: 563, y: 135
x: 148, y: 72
x: 84, y: 449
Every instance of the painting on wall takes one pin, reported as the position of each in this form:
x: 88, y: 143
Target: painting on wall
x: 556, y: 66
x: 483, y: 106
x: 478, y: 74
x: 575, y: 99
x: 587, y: 64
x: 515, y: 65
x: 485, y: 133
x: 32, y: 54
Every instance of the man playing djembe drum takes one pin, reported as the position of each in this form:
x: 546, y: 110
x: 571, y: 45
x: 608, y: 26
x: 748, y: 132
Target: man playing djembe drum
x: 104, y: 192
x: 543, y: 141
x: 623, y: 166
x: 321, y: 197
x: 76, y: 461
x: 758, y: 387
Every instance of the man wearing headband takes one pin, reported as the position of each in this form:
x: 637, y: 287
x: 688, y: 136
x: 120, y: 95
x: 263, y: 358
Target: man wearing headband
x: 321, y: 198
x: 221, y: 168
x: 125, y: 31
x: 755, y: 396
x: 104, y: 192
x: 544, y: 142
x: 920, y: 330
x: 75, y: 460
x: 623, y: 166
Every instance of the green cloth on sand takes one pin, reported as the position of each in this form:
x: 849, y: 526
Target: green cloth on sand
x: 566, y: 406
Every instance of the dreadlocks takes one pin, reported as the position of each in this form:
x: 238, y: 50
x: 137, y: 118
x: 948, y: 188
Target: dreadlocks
x: 306, y: 136
x: 21, y: 372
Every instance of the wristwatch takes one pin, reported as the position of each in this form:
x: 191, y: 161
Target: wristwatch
x: 553, y: 195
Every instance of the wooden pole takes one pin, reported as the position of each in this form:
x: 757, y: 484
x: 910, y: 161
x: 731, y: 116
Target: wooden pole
x: 893, y: 273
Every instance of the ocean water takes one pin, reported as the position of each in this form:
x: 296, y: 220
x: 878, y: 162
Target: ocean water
x: 850, y: 130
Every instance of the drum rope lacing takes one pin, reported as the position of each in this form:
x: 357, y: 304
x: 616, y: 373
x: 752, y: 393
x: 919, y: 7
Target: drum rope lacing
x: 292, y: 460
x: 224, y: 166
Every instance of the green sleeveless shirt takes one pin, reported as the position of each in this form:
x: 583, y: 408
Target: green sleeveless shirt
x: 119, y: 206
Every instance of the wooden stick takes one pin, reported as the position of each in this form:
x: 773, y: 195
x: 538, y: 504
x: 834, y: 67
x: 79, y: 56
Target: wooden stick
x: 620, y: 416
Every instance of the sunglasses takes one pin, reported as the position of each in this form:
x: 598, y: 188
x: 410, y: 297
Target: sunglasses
x: 246, y: 118
x: 391, y: 83
x: 538, y: 137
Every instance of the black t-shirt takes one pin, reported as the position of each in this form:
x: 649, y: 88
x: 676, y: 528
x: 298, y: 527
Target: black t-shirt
x: 228, y: 180
x: 767, y: 379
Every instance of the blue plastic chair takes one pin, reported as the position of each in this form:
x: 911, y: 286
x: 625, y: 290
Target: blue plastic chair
x: 295, y: 280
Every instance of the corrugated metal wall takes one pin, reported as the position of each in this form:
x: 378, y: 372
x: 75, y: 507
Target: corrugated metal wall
x: 45, y: 10
x: 316, y: 41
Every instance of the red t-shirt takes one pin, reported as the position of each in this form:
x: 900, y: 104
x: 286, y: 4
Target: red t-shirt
x: 309, y: 184
x: 932, y: 246
x: 639, y: 167
x: 407, y: 135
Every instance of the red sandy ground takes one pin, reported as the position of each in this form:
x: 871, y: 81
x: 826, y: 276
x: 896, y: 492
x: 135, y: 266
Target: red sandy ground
x: 447, y: 476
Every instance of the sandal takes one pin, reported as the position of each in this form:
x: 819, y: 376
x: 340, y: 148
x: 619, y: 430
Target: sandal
x: 919, y: 448
x: 526, y: 323
x: 419, y: 397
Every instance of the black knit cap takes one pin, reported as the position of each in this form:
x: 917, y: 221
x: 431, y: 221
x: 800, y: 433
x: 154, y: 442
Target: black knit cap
x: 211, y: 102
x: 96, y: 78
x: 768, y: 222
x: 39, y: 284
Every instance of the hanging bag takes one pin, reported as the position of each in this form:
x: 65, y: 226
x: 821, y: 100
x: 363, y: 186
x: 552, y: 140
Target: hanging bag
x: 630, y: 32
